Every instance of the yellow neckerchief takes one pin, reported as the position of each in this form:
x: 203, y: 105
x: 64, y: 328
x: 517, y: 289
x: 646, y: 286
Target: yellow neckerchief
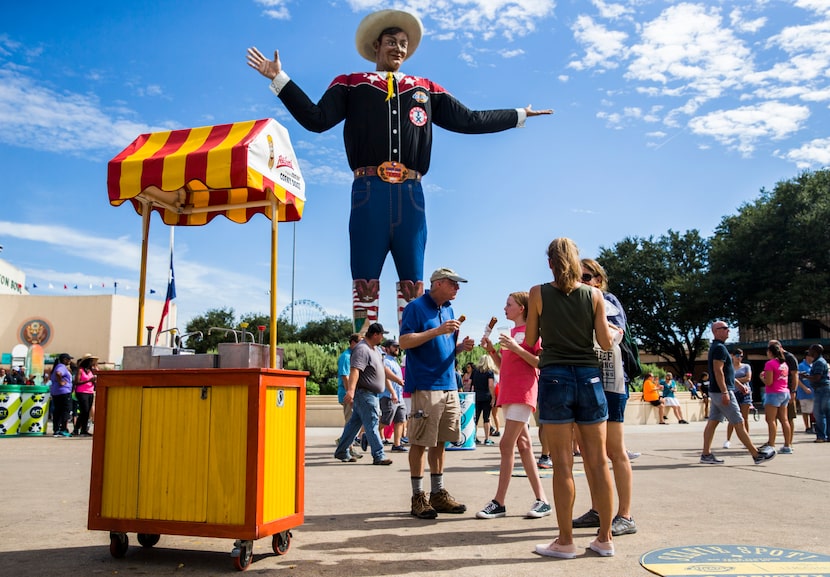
x: 390, y: 87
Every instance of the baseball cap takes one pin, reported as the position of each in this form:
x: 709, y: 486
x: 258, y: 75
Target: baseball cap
x: 446, y: 273
x: 391, y: 343
x: 375, y: 328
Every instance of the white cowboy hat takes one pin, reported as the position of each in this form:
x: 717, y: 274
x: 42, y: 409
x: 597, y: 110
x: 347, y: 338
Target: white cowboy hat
x: 86, y: 357
x: 372, y: 25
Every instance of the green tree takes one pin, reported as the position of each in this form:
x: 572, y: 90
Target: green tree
x: 329, y: 330
x: 663, y: 286
x: 319, y: 361
x: 223, y: 317
x: 286, y: 332
x: 770, y: 262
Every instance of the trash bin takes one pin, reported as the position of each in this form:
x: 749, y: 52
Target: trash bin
x: 9, y: 410
x: 468, y: 424
x: 34, y: 410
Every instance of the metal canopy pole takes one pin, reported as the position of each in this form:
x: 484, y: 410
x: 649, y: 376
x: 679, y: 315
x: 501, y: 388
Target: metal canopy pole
x: 273, y: 339
x: 142, y: 284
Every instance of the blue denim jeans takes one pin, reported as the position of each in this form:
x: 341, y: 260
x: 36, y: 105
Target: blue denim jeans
x: 821, y: 411
x: 570, y: 394
x: 387, y: 217
x: 366, y: 412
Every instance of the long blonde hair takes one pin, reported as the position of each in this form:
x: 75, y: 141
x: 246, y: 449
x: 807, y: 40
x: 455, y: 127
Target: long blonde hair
x: 563, y: 257
x: 521, y: 298
x: 486, y: 365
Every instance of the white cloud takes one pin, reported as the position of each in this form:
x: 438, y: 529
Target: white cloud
x: 477, y: 18
x: 737, y: 20
x: 603, y: 47
x: 688, y: 47
x: 611, y: 11
x: 741, y: 128
x: 37, y: 117
x: 511, y: 53
x: 276, y: 9
x: 815, y: 153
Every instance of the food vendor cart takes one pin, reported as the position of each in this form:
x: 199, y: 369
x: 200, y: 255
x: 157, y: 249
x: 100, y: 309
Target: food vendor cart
x: 183, y: 444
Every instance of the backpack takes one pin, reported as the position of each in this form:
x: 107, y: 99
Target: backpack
x: 630, y: 356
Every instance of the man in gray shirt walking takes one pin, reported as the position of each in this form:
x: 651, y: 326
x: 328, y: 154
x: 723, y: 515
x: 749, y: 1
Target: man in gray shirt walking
x: 367, y: 379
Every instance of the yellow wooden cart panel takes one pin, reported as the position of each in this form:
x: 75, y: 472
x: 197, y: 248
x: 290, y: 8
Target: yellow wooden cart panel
x: 280, y: 491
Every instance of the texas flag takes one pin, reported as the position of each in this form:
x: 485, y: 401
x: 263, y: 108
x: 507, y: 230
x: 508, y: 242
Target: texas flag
x: 171, y: 294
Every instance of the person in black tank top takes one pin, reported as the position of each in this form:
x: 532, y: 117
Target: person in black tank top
x: 567, y: 315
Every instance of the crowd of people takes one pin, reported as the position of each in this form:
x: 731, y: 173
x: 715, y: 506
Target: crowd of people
x: 557, y: 366
x: 548, y: 370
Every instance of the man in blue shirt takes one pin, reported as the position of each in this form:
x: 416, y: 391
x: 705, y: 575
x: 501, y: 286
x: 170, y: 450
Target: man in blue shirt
x: 820, y: 380
x: 429, y: 335
x: 343, y: 367
x: 804, y: 395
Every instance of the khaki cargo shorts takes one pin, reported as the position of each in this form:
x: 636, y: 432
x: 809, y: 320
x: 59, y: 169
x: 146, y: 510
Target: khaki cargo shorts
x: 435, y: 418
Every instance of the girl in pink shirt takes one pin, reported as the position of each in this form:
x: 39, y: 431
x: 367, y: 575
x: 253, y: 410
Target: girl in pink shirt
x: 518, y: 388
x: 776, y: 395
x: 85, y: 393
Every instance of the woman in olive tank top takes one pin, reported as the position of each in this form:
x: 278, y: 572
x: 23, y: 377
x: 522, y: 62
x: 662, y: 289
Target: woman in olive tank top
x: 568, y: 315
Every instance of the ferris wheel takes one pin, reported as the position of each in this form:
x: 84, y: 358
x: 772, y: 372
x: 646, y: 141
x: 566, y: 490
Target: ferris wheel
x: 303, y: 312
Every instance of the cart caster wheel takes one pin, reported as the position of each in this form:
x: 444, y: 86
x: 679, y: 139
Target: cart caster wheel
x: 281, y: 542
x: 243, y: 554
x: 148, y: 539
x: 119, y: 543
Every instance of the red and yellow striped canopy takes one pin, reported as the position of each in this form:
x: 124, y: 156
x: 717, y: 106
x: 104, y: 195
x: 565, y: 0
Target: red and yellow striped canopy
x: 191, y: 176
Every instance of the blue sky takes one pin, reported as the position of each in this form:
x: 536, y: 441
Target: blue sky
x: 668, y: 115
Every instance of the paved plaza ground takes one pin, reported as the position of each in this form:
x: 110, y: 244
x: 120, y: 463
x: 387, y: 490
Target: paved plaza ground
x: 357, y: 521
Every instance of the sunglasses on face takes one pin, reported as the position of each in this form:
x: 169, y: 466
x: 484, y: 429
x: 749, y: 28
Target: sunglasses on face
x: 588, y: 277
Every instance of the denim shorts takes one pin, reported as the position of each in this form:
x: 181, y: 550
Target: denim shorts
x: 616, y: 406
x: 777, y: 399
x: 570, y: 394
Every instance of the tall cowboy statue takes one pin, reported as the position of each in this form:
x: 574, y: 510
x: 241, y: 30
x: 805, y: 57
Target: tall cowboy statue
x: 388, y: 137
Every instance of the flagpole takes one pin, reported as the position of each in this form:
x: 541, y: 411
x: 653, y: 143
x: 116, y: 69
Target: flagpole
x: 171, y: 292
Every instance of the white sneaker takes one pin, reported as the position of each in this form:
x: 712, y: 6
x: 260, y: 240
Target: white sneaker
x: 726, y: 444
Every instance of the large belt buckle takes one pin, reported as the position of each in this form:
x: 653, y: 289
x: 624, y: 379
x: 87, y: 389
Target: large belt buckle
x: 392, y: 172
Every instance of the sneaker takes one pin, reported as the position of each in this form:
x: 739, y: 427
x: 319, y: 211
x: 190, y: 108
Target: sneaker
x: 765, y: 453
x: 604, y: 549
x: 577, y: 454
x: 492, y: 510
x: 785, y: 450
x: 683, y: 422
x: 58, y: 436
x: 346, y: 459
x: 364, y: 441
x: 820, y: 441
x: 495, y: 433
x: 622, y: 526
x: 544, y: 462
x: 443, y: 502
x: 66, y: 434
x: 710, y: 459
x: 557, y: 550
x: 382, y: 462
x: 399, y: 449
x: 589, y: 519
x: 421, y: 507
x: 726, y: 444
x: 632, y: 454
x: 404, y: 440
x: 387, y: 442
x: 540, y: 509
x: 809, y: 430
x: 489, y: 443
